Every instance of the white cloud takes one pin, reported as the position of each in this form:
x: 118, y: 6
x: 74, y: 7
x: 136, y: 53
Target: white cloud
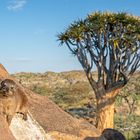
x: 16, y: 5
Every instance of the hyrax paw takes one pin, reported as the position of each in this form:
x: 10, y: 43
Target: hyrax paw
x: 25, y: 117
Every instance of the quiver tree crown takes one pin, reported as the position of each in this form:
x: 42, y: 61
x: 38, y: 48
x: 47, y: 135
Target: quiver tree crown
x: 106, y: 42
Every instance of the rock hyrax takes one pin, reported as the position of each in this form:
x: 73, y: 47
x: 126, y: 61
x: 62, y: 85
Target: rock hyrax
x: 12, y: 100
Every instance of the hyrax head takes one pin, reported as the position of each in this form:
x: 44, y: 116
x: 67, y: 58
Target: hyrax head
x: 7, y: 87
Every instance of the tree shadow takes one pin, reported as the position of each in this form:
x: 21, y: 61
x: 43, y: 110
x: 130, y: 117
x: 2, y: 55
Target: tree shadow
x: 82, y: 112
x: 108, y: 134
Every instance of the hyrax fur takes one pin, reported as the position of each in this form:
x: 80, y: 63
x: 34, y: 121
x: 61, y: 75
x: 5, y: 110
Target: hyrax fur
x: 12, y: 100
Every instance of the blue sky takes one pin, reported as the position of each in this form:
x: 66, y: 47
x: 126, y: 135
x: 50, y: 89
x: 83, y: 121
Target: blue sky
x: 28, y: 30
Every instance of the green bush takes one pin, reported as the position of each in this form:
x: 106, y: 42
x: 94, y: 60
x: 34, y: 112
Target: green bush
x: 129, y: 125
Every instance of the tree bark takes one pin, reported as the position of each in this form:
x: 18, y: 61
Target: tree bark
x: 105, y: 110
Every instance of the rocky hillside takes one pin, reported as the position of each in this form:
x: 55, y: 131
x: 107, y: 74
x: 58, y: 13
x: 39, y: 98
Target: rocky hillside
x: 72, y: 92
x: 72, y: 89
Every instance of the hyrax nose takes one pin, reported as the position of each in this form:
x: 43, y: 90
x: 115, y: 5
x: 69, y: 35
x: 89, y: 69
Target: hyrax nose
x: 5, y: 89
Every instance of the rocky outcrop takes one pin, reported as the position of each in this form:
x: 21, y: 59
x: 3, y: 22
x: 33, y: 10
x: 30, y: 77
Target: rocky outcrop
x: 50, y: 117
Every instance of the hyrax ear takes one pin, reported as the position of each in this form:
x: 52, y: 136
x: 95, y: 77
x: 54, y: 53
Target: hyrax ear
x: 3, y: 86
x: 3, y: 83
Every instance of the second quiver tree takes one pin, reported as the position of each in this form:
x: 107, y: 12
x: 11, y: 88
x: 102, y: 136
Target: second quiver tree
x: 110, y: 44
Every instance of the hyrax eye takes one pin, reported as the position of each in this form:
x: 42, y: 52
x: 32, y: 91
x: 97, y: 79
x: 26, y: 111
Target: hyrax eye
x: 12, y: 87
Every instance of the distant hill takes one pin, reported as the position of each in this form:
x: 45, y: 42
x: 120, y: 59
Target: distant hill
x: 68, y: 89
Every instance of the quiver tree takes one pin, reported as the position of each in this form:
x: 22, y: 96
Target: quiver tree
x: 110, y: 44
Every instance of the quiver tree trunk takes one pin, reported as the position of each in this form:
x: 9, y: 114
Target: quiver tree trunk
x: 105, y: 109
